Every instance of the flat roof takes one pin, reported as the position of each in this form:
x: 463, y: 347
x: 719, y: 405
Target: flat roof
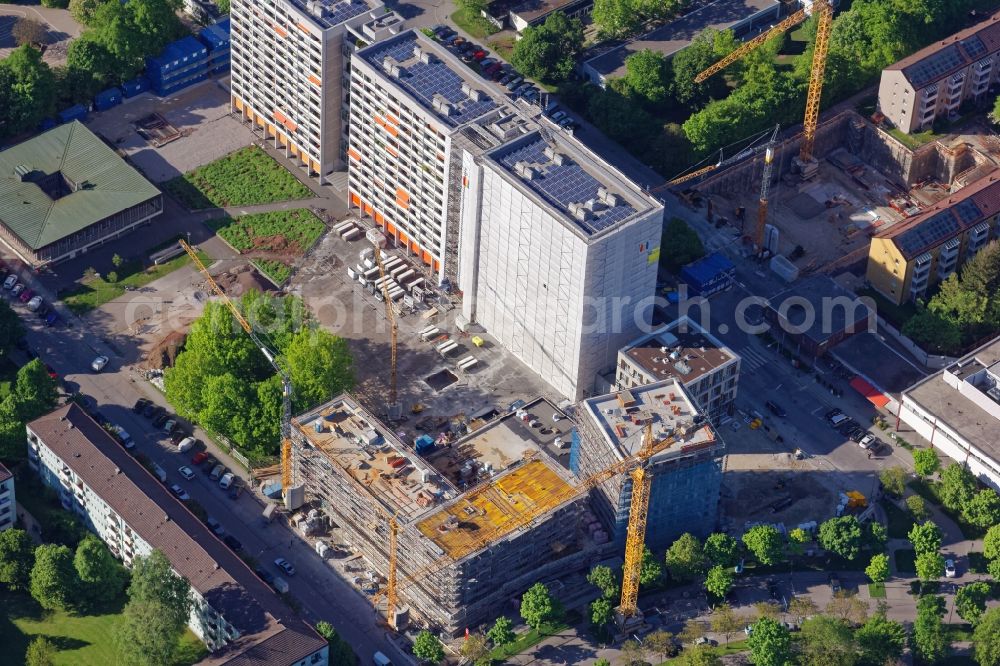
x: 160, y: 519
x: 571, y: 179
x: 500, y: 443
x: 492, y: 509
x: 957, y: 411
x: 536, y: 9
x: 62, y: 181
x: 330, y: 13
x: 622, y: 417
x: 827, y: 307
x: 680, y: 350
x: 432, y: 76
x: 358, y: 443
x: 676, y: 35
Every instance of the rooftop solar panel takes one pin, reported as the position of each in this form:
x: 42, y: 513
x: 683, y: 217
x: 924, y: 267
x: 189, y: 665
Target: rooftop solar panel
x: 334, y: 12
x: 424, y: 81
x: 968, y: 212
x: 974, y: 46
x: 935, y: 66
x: 928, y: 233
x: 564, y: 184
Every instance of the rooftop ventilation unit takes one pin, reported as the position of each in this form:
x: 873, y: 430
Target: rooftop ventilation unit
x: 524, y: 170
x: 472, y: 93
x: 606, y: 196
x: 442, y: 105
x: 579, y: 211
x: 682, y: 367
x: 423, y: 56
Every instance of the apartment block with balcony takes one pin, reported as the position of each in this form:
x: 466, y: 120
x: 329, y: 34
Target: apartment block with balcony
x: 288, y: 62
x: 239, y: 618
x: 905, y: 259
x: 935, y: 81
x: 683, y: 350
x: 8, y: 503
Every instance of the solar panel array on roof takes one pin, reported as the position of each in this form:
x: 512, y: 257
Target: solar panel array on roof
x: 935, y: 66
x: 425, y: 80
x: 564, y: 184
x: 928, y: 233
x: 333, y: 13
x: 967, y: 212
x: 973, y: 46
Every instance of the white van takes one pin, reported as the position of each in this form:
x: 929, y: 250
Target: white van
x: 380, y: 659
x: 160, y: 473
x: 124, y: 437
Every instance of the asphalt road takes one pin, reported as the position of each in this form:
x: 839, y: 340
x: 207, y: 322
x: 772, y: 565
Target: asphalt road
x: 322, y: 593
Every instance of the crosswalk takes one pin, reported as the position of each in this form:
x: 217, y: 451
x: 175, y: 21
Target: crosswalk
x: 751, y: 360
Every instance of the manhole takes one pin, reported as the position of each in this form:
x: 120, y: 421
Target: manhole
x: 441, y: 379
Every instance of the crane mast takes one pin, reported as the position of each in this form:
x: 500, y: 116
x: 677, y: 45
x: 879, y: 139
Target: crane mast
x: 765, y: 188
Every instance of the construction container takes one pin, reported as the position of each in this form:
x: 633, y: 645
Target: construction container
x: 709, y: 275
x: 423, y: 444
x: 135, y: 87
x: 216, y: 38
x: 107, y: 99
x: 785, y: 269
x: 182, y: 63
x: 351, y: 234
x: 375, y: 237
x: 75, y: 112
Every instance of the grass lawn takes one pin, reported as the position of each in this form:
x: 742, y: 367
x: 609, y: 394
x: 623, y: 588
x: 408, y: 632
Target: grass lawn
x: 528, y: 639
x: 472, y: 23
x: 876, y: 590
x: 292, y: 231
x: 504, y: 46
x: 278, y: 271
x: 900, y: 521
x: 82, y: 640
x: 959, y: 632
x: 96, y: 291
x: 915, y: 140
x: 246, y: 177
x: 906, y: 561
x: 722, y: 650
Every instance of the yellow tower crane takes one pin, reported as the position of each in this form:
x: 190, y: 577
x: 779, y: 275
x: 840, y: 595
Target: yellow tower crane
x: 634, y: 465
x: 287, y: 479
x: 817, y: 71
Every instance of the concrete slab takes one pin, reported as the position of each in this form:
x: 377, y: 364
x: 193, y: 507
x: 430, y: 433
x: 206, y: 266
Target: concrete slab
x: 868, y: 355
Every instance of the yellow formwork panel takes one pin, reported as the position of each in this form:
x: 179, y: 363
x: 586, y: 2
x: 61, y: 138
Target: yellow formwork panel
x: 493, y: 509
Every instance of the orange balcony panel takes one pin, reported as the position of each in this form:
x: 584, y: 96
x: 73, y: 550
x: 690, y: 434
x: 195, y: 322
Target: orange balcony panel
x: 279, y: 30
x: 426, y: 256
x: 392, y: 119
x: 440, y: 157
x: 315, y: 166
x: 315, y: 80
x: 303, y: 28
x: 367, y: 208
x: 353, y: 154
x: 238, y: 103
x: 379, y: 219
x: 437, y: 265
x: 403, y: 240
x: 390, y: 129
x: 379, y: 121
x: 391, y: 151
x: 402, y: 194
x: 355, y: 199
x: 293, y: 149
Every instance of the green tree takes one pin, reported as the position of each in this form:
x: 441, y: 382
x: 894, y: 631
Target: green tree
x: 770, y: 643
x: 83, y: 10
x: 893, y: 480
x: 615, y: 18
x: 765, y: 542
x: 17, y: 556
x: 706, y: 48
x: 11, y: 329
x: 502, y: 632
x: 918, y: 507
x: 102, y: 578
x: 991, y: 543
x: 602, y: 662
x: 601, y: 612
x: 986, y: 638
x: 725, y: 621
x: 474, y: 648
x: 995, y: 112
x: 970, y: 601
x: 958, y: 486
x: 874, y: 536
x: 925, y: 537
x: 802, y: 607
x: 633, y: 653
x: 880, y: 640
x: 341, y: 653
x: 548, y: 52
x: 679, y: 245
x: 662, y: 643
x: 35, y: 392
x: 685, y: 558
x: 651, y: 570
x: 926, y: 461
x: 847, y: 607
x: 930, y: 566
x: 841, y: 536
x: 719, y: 580
x: 930, y: 638
x: 223, y: 6
x: 721, y: 549
x: 53, y: 579
x: 537, y: 606
x: 29, y: 31
x: 606, y: 580
x: 428, y: 648
x: 934, y: 332
x: 153, y: 580
x: 797, y: 539
x: 32, y: 87
x: 41, y: 652
x: 826, y: 641
x: 878, y: 569
x: 983, y: 509
x: 320, y: 366
x: 699, y: 656
x: 647, y: 76
x: 145, y: 635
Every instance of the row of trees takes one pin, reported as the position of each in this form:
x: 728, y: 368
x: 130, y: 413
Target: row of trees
x: 223, y: 381
x: 34, y: 393
x: 958, y: 490
x: 620, y: 18
x: 965, y: 309
x: 109, y: 51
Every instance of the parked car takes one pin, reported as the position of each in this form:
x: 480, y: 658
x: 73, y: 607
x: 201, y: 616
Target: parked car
x: 285, y: 566
x: 180, y: 493
x: 264, y: 575
x: 217, y: 472
x: 52, y: 318
x: 209, y: 465
x: 479, y: 55
x: 186, y: 445
x: 833, y: 412
x: 199, y: 458
x: 160, y: 419
x: 739, y: 567
x: 867, y: 442
x: 233, y: 543
x: 99, y: 363
x: 140, y: 406
x: 776, y: 409
x: 514, y: 83
x: 226, y: 480
x: 18, y: 288
x: 215, y: 526
x: 949, y: 569
x: 9, y: 283
x: 847, y: 427
x: 186, y: 472
x: 169, y: 425
x: 26, y: 295
x: 237, y: 489
x: 558, y: 115
x: 858, y: 435
x: 152, y: 410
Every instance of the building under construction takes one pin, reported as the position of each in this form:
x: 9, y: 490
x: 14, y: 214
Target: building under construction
x: 464, y: 545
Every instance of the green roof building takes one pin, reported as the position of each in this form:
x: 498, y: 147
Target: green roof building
x: 66, y: 191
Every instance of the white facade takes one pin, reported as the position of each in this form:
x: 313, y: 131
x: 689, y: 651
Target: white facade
x: 957, y: 410
x: 561, y: 298
x: 8, y: 503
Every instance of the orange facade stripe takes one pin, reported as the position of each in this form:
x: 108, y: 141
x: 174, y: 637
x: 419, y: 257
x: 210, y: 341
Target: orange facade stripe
x: 426, y: 256
x: 402, y: 194
x: 390, y: 129
x: 315, y: 80
x: 278, y: 29
x: 353, y: 154
x: 238, y: 103
x: 315, y: 166
x: 367, y: 208
x: 303, y: 28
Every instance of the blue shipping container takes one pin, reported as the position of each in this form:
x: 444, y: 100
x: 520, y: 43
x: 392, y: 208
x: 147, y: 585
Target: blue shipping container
x: 106, y: 99
x: 216, y: 36
x: 170, y: 87
x: 46, y: 124
x: 709, y: 275
x: 177, y: 55
x: 75, y: 112
x: 135, y: 86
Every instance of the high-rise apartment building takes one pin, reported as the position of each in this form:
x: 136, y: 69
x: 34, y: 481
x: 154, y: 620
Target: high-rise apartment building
x: 288, y: 63
x: 8, y: 504
x: 239, y: 618
x: 686, y: 475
